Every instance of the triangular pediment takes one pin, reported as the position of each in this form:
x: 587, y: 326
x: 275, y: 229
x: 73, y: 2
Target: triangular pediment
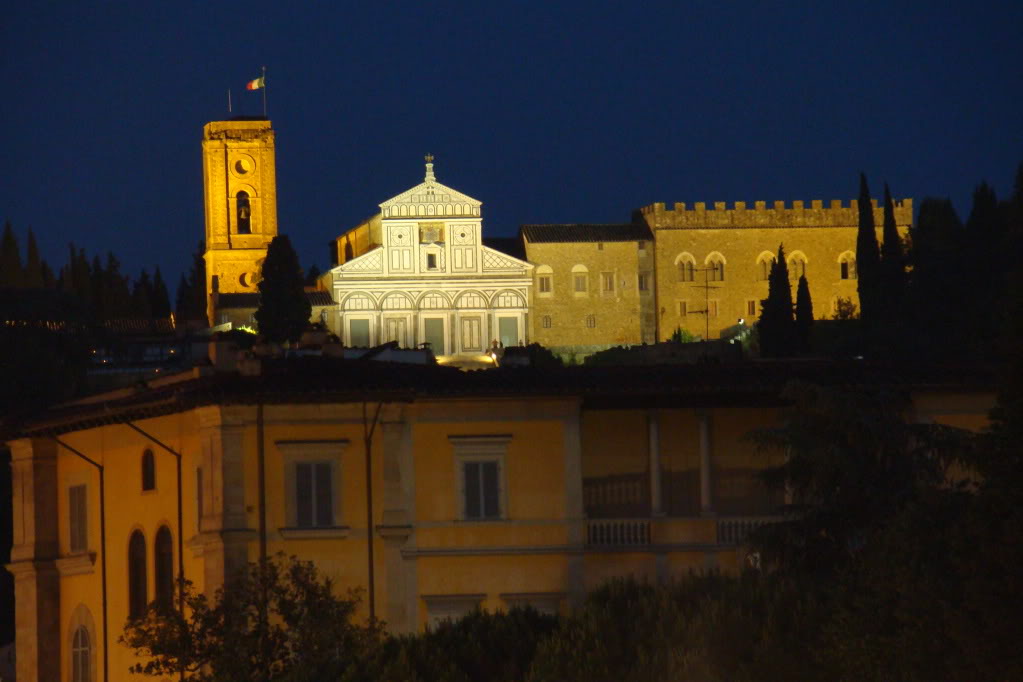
x: 431, y: 192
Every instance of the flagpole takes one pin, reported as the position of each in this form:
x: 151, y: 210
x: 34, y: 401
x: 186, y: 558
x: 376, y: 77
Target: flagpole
x: 264, y: 92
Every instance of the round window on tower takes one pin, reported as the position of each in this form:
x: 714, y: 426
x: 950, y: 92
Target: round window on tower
x: 243, y: 166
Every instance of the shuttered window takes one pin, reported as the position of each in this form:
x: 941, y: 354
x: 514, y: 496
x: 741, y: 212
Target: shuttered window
x: 314, y: 494
x: 78, y: 519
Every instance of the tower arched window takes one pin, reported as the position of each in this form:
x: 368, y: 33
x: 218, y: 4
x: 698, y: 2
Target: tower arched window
x: 137, y: 597
x: 81, y: 655
x: 148, y: 471
x: 244, y: 212
x: 164, y: 555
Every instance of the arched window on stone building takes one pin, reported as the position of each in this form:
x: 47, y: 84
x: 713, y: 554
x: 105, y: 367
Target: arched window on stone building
x: 686, y: 265
x: 797, y: 265
x: 847, y: 265
x: 163, y: 551
x: 244, y: 212
x: 137, y: 594
x: 764, y: 262
x: 715, y: 265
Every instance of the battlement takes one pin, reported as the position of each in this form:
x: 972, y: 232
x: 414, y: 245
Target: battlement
x: 837, y: 213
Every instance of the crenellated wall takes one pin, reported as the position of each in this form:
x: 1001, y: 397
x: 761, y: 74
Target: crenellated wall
x: 796, y: 214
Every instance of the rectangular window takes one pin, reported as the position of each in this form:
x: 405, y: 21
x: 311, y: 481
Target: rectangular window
x: 644, y: 282
x: 642, y: 246
x: 482, y: 492
x: 591, y: 321
x: 683, y: 308
x: 314, y: 495
x: 580, y: 283
x: 751, y: 308
x: 480, y: 465
x: 546, y: 321
x: 607, y: 282
x: 544, y: 283
x: 431, y: 261
x: 712, y: 308
x: 77, y: 510
x: 600, y: 246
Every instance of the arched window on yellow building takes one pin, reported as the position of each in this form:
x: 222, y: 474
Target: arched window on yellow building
x: 163, y: 550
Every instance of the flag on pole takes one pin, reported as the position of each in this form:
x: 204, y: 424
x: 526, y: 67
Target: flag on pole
x: 256, y: 84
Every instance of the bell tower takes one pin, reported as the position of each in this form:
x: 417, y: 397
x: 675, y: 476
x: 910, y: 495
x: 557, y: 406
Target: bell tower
x: 241, y: 203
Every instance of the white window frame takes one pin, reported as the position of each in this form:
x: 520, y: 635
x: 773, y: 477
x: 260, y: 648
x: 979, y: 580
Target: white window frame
x: 607, y: 283
x: 487, y: 448
x: 297, y: 452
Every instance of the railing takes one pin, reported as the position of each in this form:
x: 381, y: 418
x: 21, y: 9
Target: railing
x: 735, y: 530
x: 616, y: 496
x: 618, y: 533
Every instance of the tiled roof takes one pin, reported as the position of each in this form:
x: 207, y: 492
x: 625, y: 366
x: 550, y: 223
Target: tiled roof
x: 586, y: 232
x: 224, y: 301
x: 331, y: 380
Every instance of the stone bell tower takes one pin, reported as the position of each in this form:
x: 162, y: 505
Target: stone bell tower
x: 241, y: 203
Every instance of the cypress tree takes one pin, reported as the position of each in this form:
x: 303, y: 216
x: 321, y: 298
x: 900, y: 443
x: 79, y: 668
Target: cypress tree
x: 141, y: 295
x: 49, y: 281
x: 776, y: 323
x: 804, y: 314
x: 182, y: 300
x: 283, y: 307
x: 116, y: 289
x: 11, y: 273
x: 893, y: 263
x: 97, y: 284
x: 159, y: 301
x: 33, y: 264
x: 868, y: 257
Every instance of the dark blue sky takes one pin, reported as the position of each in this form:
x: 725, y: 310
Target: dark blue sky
x: 545, y: 111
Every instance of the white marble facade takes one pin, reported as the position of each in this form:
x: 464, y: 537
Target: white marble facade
x: 426, y: 277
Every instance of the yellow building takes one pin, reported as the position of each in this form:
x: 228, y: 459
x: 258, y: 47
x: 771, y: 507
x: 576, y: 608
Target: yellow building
x: 490, y: 488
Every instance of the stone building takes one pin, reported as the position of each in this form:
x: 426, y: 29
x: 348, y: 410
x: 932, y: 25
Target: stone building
x: 696, y: 269
x: 419, y: 272
x: 593, y: 285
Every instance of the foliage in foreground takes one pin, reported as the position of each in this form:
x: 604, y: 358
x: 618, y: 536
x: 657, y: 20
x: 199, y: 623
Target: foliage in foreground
x: 276, y: 620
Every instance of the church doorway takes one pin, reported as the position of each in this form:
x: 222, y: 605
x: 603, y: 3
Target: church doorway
x: 508, y: 329
x: 433, y: 334
x: 397, y: 330
x: 472, y: 338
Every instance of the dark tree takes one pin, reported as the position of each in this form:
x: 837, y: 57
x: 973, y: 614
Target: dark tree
x: 776, y: 325
x: 311, y: 275
x: 804, y: 315
x: 97, y: 287
x: 191, y: 298
x: 49, y: 281
x: 283, y: 307
x: 159, y: 301
x: 893, y: 263
x: 141, y: 296
x: 868, y: 257
x: 116, y: 293
x: 11, y: 273
x: 33, y: 264
x: 277, y: 620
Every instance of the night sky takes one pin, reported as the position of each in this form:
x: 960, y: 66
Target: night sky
x: 546, y: 112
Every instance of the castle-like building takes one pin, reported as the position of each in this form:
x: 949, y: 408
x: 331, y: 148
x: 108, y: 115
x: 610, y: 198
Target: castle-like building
x: 422, y: 270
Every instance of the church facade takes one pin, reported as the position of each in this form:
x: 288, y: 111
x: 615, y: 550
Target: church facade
x: 419, y: 273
